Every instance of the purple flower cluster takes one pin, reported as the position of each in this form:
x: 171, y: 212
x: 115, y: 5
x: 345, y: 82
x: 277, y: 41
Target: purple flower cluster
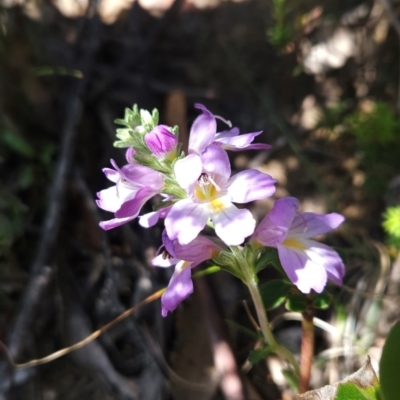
x: 197, y: 190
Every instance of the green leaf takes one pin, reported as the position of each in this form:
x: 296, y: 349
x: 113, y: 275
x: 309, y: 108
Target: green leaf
x: 390, y: 365
x: 259, y: 354
x: 274, y: 293
x: 362, y: 385
x: 269, y: 255
x: 296, y: 302
x: 322, y: 300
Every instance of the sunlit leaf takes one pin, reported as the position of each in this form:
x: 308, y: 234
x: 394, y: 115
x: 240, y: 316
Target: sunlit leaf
x: 296, y: 302
x: 390, y: 365
x: 322, y: 300
x: 274, y: 293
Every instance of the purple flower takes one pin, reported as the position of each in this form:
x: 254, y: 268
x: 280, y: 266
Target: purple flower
x: 184, y: 258
x: 134, y: 185
x: 308, y: 264
x: 204, y: 133
x: 161, y: 142
x: 210, y: 192
x: 232, y: 140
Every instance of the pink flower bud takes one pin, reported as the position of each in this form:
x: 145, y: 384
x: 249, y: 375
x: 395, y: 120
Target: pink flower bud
x: 161, y: 141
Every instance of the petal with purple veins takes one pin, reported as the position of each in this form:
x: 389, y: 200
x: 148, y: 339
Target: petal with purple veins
x: 132, y: 207
x: 250, y: 185
x: 309, y: 225
x: 109, y: 200
x: 185, y: 220
x: 198, y: 250
x: 203, y: 131
x: 302, y: 271
x: 231, y: 224
x: 216, y: 161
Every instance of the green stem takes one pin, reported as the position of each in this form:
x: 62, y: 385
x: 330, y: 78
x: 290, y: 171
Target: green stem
x: 250, y: 280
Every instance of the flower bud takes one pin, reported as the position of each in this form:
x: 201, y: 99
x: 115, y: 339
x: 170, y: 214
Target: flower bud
x: 161, y: 141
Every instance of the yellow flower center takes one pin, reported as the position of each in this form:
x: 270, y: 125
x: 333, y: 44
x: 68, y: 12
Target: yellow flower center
x: 294, y: 244
x: 206, y: 189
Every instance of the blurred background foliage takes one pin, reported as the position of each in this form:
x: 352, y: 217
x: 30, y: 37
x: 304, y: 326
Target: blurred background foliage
x: 320, y: 78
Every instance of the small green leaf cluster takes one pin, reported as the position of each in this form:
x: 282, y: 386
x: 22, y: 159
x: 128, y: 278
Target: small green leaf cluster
x: 136, y: 123
x: 390, y: 365
x: 281, y: 291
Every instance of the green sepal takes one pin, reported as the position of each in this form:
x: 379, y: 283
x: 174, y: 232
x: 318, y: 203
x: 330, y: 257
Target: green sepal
x: 227, y: 261
x: 322, y: 300
x: 120, y: 121
x: 250, y: 255
x: 274, y: 293
x: 156, y: 116
x: 120, y: 144
x: 163, y: 204
x: 268, y: 256
x: 259, y: 354
x: 124, y: 134
x: 171, y: 187
x: 296, y: 302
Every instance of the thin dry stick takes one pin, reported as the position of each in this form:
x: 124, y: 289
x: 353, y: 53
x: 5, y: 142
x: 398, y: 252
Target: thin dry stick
x: 84, y: 342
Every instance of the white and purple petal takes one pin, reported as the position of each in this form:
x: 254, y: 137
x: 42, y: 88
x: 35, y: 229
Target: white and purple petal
x: 115, y: 222
x: 185, y: 220
x: 232, y: 225
x: 240, y: 142
x: 302, y: 271
x: 324, y: 255
x: 198, y: 250
x: 109, y: 200
x: 250, y: 185
x: 216, y: 161
x: 309, y: 224
x: 132, y: 207
x: 274, y: 227
x: 179, y: 288
x: 203, y: 131
x: 188, y: 170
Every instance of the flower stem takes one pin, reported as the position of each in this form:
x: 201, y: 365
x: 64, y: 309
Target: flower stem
x: 251, y: 282
x: 307, y: 349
